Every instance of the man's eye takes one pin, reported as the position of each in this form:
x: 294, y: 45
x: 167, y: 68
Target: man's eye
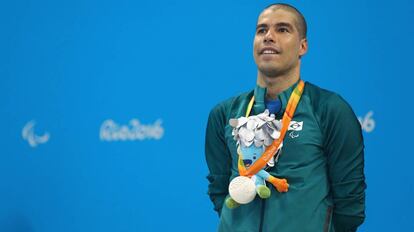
x: 261, y: 31
x: 283, y: 29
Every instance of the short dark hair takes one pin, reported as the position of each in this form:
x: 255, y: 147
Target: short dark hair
x: 301, y: 22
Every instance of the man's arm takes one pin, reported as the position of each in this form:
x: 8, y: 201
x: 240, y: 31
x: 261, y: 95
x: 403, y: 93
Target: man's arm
x: 345, y: 153
x: 218, y: 157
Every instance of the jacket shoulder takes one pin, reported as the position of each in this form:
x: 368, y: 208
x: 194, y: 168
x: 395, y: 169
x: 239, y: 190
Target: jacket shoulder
x: 229, y: 108
x: 323, y: 99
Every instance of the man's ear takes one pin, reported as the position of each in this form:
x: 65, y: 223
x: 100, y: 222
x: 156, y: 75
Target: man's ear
x: 303, y: 47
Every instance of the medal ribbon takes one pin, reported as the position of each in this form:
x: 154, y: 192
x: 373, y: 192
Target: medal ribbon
x: 272, y: 149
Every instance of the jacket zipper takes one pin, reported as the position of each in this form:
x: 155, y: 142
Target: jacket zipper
x: 262, y: 215
x: 327, y: 219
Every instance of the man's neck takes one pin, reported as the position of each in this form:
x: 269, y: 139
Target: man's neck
x: 275, y: 85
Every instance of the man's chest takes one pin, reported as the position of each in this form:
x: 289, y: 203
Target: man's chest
x: 302, y: 145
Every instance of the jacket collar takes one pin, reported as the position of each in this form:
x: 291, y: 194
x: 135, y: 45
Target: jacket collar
x: 260, y: 94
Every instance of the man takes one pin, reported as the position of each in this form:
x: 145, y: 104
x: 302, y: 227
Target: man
x: 322, y: 156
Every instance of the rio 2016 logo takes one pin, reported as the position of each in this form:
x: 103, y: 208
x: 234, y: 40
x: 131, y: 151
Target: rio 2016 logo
x: 367, y: 122
x: 111, y: 131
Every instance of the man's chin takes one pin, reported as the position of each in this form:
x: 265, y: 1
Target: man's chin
x: 270, y: 72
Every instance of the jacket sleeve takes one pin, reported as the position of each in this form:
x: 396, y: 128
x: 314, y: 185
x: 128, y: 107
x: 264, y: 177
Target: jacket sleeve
x: 217, y: 157
x: 345, y: 154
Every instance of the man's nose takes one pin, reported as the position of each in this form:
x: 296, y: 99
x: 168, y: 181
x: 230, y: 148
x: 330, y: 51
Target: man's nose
x: 268, y: 38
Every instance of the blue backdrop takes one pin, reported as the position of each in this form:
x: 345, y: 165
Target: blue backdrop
x: 104, y: 106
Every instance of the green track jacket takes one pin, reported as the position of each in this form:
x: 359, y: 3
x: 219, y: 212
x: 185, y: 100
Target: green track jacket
x: 322, y: 159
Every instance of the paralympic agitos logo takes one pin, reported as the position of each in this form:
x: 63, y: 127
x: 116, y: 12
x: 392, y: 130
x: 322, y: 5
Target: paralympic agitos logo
x: 28, y: 133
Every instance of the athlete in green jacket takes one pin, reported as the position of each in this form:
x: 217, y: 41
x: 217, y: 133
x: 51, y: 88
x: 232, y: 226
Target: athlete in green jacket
x: 322, y: 156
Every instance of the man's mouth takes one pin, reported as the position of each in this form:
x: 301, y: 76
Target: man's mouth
x: 269, y: 50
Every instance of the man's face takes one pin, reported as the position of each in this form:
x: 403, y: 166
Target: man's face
x: 277, y: 44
